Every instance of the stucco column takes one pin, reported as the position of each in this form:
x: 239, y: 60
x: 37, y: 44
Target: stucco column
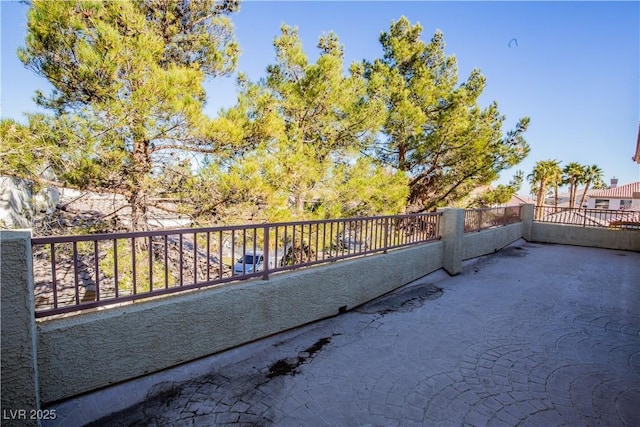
x: 452, y: 232
x: 20, y: 388
x: 526, y: 216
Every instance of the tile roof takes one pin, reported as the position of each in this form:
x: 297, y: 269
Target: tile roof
x: 517, y: 199
x: 593, y: 217
x: 621, y: 192
x: 575, y: 217
x: 563, y: 197
x: 105, y: 205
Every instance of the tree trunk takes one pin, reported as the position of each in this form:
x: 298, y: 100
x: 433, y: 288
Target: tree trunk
x: 570, y: 194
x: 299, y: 205
x: 298, y: 201
x: 540, y: 199
x: 584, y: 193
x: 139, y: 196
x: 402, y: 157
x: 138, y: 202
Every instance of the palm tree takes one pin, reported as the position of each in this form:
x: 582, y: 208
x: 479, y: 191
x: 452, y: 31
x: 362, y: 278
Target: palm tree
x: 599, y: 185
x: 592, y: 174
x: 573, y: 175
x: 545, y: 173
x: 555, y: 179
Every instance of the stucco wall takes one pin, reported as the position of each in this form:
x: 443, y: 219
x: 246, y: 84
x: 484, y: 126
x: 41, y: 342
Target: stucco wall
x: 484, y: 242
x: 18, y: 374
x: 15, y: 202
x: 18, y: 203
x: 585, y: 236
x: 81, y: 353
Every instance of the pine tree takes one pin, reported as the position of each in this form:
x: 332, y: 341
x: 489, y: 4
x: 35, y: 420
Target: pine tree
x: 501, y: 194
x: 435, y: 131
x: 306, y: 125
x: 128, y: 94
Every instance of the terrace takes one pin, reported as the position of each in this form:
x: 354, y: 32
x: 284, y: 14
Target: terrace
x: 505, y: 307
x: 500, y: 344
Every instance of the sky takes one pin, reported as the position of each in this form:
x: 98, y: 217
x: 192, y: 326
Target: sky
x: 572, y: 67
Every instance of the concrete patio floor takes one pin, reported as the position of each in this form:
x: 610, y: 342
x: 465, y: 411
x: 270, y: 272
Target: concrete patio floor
x: 533, y: 335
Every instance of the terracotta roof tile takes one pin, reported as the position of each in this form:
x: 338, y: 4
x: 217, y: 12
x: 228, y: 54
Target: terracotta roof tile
x: 622, y: 192
x: 109, y: 204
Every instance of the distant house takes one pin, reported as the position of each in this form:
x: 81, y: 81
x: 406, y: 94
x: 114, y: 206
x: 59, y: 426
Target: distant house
x: 616, y: 198
x: 636, y: 157
x: 564, y: 198
x: 517, y: 200
x: 87, y: 205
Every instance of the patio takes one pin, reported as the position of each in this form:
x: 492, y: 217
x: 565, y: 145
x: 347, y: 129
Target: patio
x: 535, y: 334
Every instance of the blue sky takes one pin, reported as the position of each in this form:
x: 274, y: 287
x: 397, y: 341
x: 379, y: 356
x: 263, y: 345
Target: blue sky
x: 575, y: 70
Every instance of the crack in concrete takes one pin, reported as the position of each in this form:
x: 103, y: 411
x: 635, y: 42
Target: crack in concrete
x: 289, y: 366
x: 403, y: 301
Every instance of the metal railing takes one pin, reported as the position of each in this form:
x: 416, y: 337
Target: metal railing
x: 602, y: 218
x: 482, y: 219
x: 73, y: 273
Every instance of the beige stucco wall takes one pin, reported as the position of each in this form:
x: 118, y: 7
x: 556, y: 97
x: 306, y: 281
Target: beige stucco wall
x: 18, y: 375
x: 484, y: 242
x: 81, y: 353
x: 585, y: 236
x: 452, y: 229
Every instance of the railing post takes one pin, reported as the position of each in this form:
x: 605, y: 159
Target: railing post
x: 452, y: 236
x: 20, y: 387
x: 386, y: 234
x: 265, y: 270
x: 526, y: 216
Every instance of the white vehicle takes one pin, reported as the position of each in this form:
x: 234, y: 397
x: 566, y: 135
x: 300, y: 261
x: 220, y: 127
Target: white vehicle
x: 250, y: 263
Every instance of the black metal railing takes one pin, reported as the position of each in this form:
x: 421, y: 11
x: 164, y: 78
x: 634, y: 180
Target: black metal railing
x: 482, y: 219
x: 73, y: 273
x: 602, y: 218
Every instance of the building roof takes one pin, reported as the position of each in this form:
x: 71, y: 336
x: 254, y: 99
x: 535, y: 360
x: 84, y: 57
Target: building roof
x: 564, y: 199
x: 636, y: 157
x: 622, y: 192
x: 593, y: 217
x: 518, y: 199
x: 115, y: 207
x: 578, y: 217
x: 515, y: 200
